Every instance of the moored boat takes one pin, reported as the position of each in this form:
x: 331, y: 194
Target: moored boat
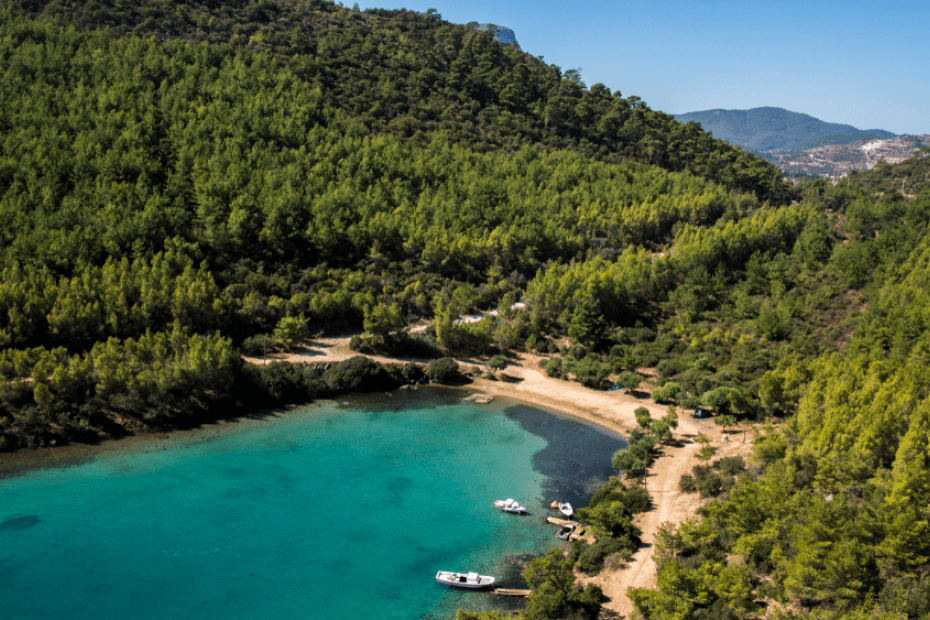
x: 510, y: 505
x: 566, y: 509
x: 464, y: 580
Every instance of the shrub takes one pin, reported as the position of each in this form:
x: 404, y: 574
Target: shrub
x: 636, y: 500
x: 629, y: 380
x: 412, y: 373
x: 257, y: 345
x: 707, y: 482
x: 282, y: 382
x: 360, y: 374
x: 671, y: 391
x: 588, y: 371
x: 687, y: 484
x: 591, y: 559
x: 670, y: 367
x: 733, y: 465
x: 691, y: 402
x: 443, y: 370
x: 554, y: 367
x: 710, y: 486
x: 361, y: 344
x: 577, y: 351
x: 498, y: 362
x: 631, y: 464
x: 726, y: 421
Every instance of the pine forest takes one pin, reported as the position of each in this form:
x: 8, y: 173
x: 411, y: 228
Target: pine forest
x: 186, y: 183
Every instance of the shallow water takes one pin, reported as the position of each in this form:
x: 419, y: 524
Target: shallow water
x: 331, y: 511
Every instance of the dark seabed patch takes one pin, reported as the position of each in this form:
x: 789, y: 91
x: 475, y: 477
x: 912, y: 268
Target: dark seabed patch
x: 20, y: 523
x: 573, y: 462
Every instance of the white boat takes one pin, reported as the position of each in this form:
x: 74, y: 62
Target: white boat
x: 464, y: 580
x: 510, y: 505
x: 566, y: 509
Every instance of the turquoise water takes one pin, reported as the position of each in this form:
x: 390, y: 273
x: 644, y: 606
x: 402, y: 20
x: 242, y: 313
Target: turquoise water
x: 330, y: 511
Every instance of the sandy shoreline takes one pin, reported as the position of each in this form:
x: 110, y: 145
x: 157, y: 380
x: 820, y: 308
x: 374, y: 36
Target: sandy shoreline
x: 522, y: 381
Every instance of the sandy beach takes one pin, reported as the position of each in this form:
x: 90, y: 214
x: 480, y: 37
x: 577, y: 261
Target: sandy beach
x: 523, y: 380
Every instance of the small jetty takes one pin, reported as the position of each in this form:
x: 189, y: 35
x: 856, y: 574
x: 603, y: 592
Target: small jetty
x: 509, y: 592
x: 568, y: 529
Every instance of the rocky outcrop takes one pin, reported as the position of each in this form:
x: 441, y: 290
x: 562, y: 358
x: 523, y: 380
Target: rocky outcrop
x: 503, y: 35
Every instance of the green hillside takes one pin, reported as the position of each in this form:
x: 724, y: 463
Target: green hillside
x: 209, y: 192
x: 765, y: 129
x: 412, y: 74
x: 184, y: 184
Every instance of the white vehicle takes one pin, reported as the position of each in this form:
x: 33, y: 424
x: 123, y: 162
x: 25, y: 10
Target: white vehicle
x: 510, y: 505
x: 464, y: 580
x: 566, y: 509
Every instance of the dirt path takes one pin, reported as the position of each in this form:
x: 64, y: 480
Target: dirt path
x: 524, y: 380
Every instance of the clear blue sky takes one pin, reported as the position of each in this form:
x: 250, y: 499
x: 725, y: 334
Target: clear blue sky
x: 866, y: 64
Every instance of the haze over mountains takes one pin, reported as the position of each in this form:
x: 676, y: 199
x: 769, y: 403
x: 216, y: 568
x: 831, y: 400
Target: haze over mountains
x: 768, y: 129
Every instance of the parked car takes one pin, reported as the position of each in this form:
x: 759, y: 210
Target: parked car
x: 701, y: 412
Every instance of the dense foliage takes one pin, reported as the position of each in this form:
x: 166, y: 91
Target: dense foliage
x: 182, y: 185
x: 413, y: 74
x: 147, y: 182
x: 831, y: 522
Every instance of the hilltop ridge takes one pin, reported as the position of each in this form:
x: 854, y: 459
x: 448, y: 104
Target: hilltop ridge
x: 769, y: 128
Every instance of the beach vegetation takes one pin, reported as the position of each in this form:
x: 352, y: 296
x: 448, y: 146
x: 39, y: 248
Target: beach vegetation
x: 444, y: 370
x: 498, y: 362
x: 554, y: 367
x: 554, y: 592
x: 609, y: 516
x: 628, y: 380
x: 360, y: 374
x: 669, y: 392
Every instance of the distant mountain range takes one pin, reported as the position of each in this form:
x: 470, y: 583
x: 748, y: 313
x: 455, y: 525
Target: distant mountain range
x: 776, y: 129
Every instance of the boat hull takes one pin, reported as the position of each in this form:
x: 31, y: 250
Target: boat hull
x: 471, y: 581
x: 510, y: 506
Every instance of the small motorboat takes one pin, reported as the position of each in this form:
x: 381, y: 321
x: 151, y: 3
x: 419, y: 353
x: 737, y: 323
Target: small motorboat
x: 566, y: 509
x: 464, y: 580
x: 566, y: 532
x: 510, y: 505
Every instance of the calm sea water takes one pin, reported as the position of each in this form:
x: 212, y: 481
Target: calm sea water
x: 341, y: 510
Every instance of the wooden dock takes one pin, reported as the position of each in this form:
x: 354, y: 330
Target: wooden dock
x: 508, y: 592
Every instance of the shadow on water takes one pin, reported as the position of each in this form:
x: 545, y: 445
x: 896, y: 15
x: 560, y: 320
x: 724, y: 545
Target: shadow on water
x: 20, y: 523
x: 576, y: 459
x: 575, y: 463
